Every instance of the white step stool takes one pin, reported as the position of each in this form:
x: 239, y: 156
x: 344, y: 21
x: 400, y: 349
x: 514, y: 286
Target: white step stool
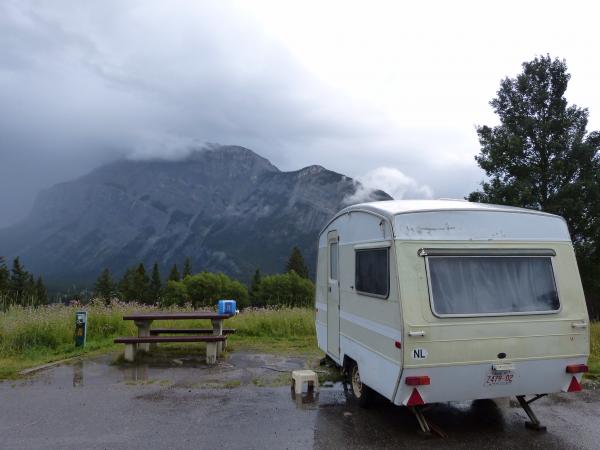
x: 301, y: 376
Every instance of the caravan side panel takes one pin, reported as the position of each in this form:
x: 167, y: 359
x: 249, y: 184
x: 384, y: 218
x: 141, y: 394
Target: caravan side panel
x: 369, y: 325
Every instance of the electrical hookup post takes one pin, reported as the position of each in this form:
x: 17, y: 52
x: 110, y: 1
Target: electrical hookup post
x: 80, y: 328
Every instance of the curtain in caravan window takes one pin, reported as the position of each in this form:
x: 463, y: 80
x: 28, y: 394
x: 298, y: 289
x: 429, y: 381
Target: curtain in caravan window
x: 488, y: 285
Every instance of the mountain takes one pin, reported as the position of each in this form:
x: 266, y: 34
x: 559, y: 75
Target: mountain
x: 226, y: 207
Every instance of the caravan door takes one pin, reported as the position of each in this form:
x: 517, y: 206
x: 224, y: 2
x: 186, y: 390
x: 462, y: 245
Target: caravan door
x: 333, y: 295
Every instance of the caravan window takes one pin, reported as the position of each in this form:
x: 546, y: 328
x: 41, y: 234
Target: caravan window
x: 372, y: 274
x: 480, y: 285
x: 333, y: 261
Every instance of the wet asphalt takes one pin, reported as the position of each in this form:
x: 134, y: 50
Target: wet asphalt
x: 246, y: 402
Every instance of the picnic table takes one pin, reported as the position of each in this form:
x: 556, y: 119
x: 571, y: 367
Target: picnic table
x: 147, y: 336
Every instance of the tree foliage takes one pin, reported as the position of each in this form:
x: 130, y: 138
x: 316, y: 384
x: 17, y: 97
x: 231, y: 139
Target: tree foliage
x: 155, y: 288
x: 296, y: 263
x: 541, y: 156
x: 174, y: 274
x: 41, y: 293
x: 187, y: 267
x: 204, y: 289
x: 4, y: 277
x: 255, y: 291
x: 135, y: 285
x: 105, y: 286
x: 287, y: 289
x: 18, y: 286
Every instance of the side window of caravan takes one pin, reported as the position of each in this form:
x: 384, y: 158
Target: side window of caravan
x: 492, y: 285
x: 333, y: 261
x: 372, y: 275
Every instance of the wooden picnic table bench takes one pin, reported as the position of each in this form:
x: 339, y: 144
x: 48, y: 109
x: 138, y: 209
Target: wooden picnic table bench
x: 157, y: 331
x: 146, y: 336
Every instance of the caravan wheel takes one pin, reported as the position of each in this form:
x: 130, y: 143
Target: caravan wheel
x: 362, y: 393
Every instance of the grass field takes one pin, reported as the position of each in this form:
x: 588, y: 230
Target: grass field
x: 30, y: 337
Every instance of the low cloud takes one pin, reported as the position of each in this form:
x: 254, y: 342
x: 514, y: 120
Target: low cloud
x: 390, y: 180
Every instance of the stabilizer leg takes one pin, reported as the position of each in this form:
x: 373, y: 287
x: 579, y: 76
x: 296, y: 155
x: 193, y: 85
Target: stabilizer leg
x: 533, y: 423
x: 421, y: 419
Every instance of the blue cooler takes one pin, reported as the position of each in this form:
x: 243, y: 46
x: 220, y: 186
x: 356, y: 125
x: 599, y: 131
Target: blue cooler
x: 227, y: 306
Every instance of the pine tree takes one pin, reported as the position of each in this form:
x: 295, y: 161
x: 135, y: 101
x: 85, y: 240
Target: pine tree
x: 126, y: 286
x: 255, y: 294
x: 41, y: 292
x: 187, y: 267
x: 155, y: 284
x: 141, y: 284
x: 296, y: 263
x: 104, y: 287
x: 19, y: 280
x: 30, y: 299
x: 174, y: 274
x: 4, y: 277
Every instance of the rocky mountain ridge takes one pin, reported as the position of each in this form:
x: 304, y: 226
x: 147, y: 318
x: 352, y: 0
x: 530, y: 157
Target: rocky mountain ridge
x: 225, y: 207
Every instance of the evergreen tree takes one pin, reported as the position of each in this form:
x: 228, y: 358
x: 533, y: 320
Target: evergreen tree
x: 255, y: 294
x: 19, y: 279
x: 155, y: 284
x: 135, y: 285
x: 30, y: 297
x: 296, y: 263
x: 187, y: 267
x: 41, y: 292
x: 104, y: 287
x: 4, y: 277
x: 141, y: 284
x: 542, y: 157
x: 126, y: 286
x: 174, y: 274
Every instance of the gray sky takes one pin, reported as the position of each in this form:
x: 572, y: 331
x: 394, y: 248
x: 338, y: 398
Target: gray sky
x: 383, y: 91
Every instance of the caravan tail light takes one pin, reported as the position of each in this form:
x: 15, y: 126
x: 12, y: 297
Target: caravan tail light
x: 577, y: 368
x: 422, y: 380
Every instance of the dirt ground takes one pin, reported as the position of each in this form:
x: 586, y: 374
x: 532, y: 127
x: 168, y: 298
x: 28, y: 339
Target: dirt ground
x: 174, y: 401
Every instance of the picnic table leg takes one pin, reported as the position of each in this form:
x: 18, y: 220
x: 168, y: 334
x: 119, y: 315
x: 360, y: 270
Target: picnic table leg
x: 143, y: 331
x: 211, y: 352
x: 130, y: 352
x: 218, y: 331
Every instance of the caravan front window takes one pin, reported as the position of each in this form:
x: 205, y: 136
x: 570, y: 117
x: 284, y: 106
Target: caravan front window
x: 480, y: 285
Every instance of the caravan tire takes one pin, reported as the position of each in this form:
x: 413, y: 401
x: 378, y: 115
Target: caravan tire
x: 360, y: 392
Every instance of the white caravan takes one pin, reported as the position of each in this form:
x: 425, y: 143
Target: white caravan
x: 441, y: 300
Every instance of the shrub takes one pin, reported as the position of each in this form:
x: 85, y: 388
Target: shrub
x: 288, y: 289
x: 176, y: 293
x: 204, y: 289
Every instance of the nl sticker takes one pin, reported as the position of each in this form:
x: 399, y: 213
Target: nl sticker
x: 419, y: 353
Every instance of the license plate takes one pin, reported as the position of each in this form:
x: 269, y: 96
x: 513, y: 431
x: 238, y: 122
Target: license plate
x: 499, y: 378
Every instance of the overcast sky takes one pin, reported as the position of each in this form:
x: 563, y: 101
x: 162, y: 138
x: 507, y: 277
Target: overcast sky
x: 387, y: 92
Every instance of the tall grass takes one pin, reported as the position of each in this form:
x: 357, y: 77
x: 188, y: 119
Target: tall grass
x: 50, y: 329
x: 594, y: 362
